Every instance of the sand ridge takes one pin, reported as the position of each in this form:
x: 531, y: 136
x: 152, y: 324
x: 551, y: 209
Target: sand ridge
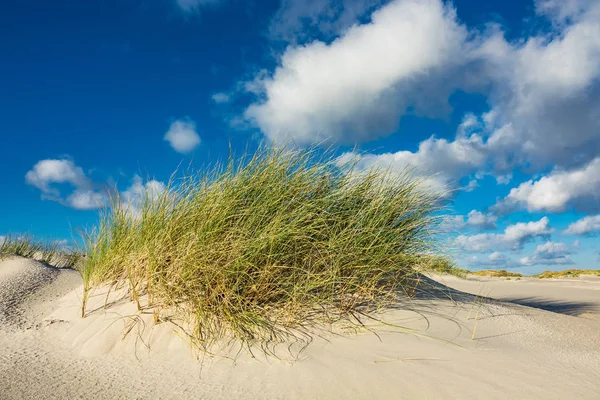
x: 466, y: 347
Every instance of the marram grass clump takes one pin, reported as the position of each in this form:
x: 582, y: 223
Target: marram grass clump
x: 266, y: 246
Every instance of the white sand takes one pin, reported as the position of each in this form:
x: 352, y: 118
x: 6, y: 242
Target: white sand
x: 47, y: 351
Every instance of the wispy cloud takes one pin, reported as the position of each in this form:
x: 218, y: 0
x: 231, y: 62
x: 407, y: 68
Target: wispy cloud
x: 192, y: 6
x: 300, y: 20
x: 221, y: 98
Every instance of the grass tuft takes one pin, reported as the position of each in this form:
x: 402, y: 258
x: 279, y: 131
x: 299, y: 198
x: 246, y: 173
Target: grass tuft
x: 49, y: 252
x: 264, y: 246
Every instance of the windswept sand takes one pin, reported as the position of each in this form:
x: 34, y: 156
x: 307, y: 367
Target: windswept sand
x: 48, y: 352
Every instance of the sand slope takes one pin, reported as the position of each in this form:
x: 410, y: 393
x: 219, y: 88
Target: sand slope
x: 47, y: 351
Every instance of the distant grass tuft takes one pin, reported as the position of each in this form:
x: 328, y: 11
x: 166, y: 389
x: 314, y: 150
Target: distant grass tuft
x: 502, y: 273
x: 569, y: 273
x: 440, y: 264
x: 49, y: 252
x: 267, y: 245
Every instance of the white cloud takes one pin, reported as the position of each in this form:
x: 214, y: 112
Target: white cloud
x: 182, y: 136
x: 46, y: 173
x: 190, y: 6
x: 84, y: 193
x: 543, y: 90
x: 481, y: 220
x: 549, y: 253
x: 586, y: 225
x: 558, y: 191
x: 357, y: 87
x: 546, y: 91
x: 441, y: 161
x: 513, y: 238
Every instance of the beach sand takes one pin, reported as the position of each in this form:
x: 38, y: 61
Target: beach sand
x: 461, y: 346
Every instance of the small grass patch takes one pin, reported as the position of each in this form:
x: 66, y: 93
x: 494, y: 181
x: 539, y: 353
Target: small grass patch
x: 569, y: 273
x: 266, y: 246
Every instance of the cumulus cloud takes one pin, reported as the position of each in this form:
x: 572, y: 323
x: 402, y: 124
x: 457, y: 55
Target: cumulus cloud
x: 584, y: 226
x: 182, y: 136
x: 84, y: 194
x: 475, y: 219
x: 545, y: 94
x: 558, y: 191
x: 513, y: 237
x: 543, y: 90
x: 549, y: 253
x: 358, y: 86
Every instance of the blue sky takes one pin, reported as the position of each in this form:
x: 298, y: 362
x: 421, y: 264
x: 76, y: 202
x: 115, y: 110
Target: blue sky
x: 497, y: 102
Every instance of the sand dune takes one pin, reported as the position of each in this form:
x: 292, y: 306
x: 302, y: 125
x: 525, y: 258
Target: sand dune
x: 502, y: 351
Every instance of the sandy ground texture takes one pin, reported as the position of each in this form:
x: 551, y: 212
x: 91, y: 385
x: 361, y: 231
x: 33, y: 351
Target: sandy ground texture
x: 461, y: 346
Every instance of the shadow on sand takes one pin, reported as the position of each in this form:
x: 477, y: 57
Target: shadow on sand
x: 573, y: 308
